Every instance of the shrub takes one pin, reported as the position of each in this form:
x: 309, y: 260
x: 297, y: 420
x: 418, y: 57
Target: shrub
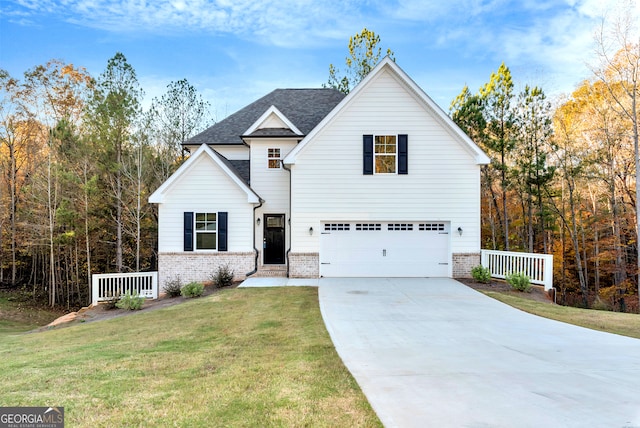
x: 601, y: 305
x: 173, y: 287
x: 111, y: 302
x: 519, y: 281
x: 130, y: 301
x: 481, y: 274
x: 223, y: 277
x: 192, y: 289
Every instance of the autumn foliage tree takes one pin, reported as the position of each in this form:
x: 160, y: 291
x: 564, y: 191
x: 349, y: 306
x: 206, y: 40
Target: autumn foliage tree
x: 77, y: 162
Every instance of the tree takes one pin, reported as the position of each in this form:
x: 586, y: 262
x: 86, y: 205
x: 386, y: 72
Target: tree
x: 534, y: 130
x: 178, y: 115
x: 570, y: 158
x: 364, y: 54
x: 498, y: 139
x: 18, y: 160
x: 113, y: 109
x: 55, y: 95
x: 619, y: 71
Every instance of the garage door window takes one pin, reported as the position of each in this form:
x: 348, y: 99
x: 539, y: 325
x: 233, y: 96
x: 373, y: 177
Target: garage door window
x: 336, y: 226
x: 368, y: 226
x: 431, y: 226
x: 400, y: 226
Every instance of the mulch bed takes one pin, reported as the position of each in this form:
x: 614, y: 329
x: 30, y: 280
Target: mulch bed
x: 537, y: 291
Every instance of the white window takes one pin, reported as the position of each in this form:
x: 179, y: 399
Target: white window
x: 385, y: 154
x: 274, y: 158
x: 206, y: 231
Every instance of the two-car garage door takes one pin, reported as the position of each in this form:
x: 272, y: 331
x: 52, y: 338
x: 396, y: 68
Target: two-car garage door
x: 370, y: 249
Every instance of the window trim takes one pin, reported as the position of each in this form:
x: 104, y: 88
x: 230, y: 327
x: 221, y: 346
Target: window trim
x: 376, y: 155
x: 196, y: 232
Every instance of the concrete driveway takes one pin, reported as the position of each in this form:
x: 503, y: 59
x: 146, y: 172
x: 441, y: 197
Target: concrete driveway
x: 435, y: 353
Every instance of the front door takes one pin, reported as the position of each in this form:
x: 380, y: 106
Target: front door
x: 274, y: 241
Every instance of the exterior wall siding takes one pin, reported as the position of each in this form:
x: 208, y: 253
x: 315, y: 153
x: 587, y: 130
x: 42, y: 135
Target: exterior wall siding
x: 205, y: 189
x: 271, y: 184
x: 200, y: 267
x: 442, y: 184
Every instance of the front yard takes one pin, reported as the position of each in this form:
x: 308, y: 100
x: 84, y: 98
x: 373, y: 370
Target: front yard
x: 239, y: 357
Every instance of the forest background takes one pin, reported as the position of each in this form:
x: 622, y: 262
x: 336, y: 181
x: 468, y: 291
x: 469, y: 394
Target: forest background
x: 79, y: 157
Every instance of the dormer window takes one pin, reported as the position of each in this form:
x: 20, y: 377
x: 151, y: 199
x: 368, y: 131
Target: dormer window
x: 274, y: 158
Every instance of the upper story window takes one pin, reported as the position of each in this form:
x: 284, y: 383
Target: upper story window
x: 273, y: 156
x: 206, y: 231
x: 385, y: 154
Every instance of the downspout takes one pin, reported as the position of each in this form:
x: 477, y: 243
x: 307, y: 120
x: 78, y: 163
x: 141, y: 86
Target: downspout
x: 253, y: 220
x: 289, y: 222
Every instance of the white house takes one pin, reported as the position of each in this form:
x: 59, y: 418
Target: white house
x: 312, y: 183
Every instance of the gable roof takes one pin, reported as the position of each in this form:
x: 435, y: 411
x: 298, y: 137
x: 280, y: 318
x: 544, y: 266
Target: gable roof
x: 157, y: 197
x: 388, y: 64
x: 275, y: 116
x: 304, y: 108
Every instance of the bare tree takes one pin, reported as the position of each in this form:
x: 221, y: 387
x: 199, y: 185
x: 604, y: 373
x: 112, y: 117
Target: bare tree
x: 618, y: 49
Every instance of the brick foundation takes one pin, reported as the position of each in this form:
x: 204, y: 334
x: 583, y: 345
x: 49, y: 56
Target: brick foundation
x: 201, y: 266
x: 304, y: 265
x: 463, y: 263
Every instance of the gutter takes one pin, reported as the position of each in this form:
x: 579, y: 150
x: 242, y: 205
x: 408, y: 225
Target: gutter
x: 254, y: 240
x: 289, y: 222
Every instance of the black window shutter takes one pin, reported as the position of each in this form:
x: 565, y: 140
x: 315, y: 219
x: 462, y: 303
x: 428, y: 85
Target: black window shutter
x: 367, y: 154
x: 188, y: 231
x: 222, y: 231
x: 403, y: 157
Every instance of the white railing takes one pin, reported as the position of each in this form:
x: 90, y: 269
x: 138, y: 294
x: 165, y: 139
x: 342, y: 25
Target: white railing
x: 107, y: 286
x: 538, y: 267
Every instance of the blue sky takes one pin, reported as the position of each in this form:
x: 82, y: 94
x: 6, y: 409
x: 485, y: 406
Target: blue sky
x: 235, y: 51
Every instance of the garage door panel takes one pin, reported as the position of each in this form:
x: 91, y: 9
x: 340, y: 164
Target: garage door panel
x: 385, y: 249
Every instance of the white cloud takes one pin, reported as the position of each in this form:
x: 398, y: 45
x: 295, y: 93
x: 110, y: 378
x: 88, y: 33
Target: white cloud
x: 281, y: 23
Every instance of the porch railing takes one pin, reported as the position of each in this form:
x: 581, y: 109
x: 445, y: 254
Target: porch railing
x: 538, y: 267
x: 107, y: 286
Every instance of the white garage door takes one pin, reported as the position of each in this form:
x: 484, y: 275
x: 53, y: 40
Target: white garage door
x: 385, y: 249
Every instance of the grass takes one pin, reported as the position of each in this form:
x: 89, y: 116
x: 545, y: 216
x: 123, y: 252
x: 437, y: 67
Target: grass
x: 611, y: 322
x: 240, y: 357
x: 19, y: 315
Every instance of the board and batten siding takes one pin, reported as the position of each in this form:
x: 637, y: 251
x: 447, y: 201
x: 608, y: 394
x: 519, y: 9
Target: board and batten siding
x: 442, y: 184
x: 205, y: 189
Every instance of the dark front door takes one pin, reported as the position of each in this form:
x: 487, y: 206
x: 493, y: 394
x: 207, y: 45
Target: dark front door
x: 274, y: 239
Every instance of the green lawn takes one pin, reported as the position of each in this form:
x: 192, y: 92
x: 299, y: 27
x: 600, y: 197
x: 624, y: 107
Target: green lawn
x: 611, y: 322
x: 19, y: 315
x: 240, y: 357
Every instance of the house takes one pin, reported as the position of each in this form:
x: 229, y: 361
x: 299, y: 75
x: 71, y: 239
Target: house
x: 312, y: 183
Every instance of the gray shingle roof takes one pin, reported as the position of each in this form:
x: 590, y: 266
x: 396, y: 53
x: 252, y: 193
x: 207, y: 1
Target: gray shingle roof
x: 243, y: 167
x: 305, y: 108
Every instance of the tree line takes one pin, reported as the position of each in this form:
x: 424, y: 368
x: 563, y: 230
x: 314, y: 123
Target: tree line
x: 78, y: 158
x: 563, y: 177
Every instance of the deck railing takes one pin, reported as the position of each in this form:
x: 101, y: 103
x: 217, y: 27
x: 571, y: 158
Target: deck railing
x: 538, y: 267
x: 108, y: 286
